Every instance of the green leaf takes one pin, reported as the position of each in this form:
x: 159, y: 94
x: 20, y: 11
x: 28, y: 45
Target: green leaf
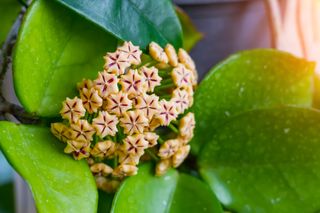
x: 248, y: 80
x: 191, y: 36
x: 133, y: 20
x: 172, y: 192
x: 57, y: 182
x: 9, y: 10
x: 266, y: 161
x: 55, y: 50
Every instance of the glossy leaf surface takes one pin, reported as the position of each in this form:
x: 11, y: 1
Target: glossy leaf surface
x: 172, y: 192
x: 56, y: 49
x: 133, y: 20
x: 57, y: 181
x: 248, y: 80
x: 266, y: 161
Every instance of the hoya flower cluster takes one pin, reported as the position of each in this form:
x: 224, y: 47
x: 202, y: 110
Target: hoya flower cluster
x: 135, y: 110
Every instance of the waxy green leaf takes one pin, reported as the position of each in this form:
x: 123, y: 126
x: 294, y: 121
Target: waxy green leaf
x: 248, y: 80
x: 133, y: 20
x: 191, y: 36
x: 55, y: 49
x: 172, y: 192
x: 266, y: 161
x: 58, y: 182
x: 9, y: 10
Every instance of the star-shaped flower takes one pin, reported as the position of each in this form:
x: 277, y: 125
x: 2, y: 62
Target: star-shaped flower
x: 81, y: 131
x: 104, y: 149
x: 61, y: 131
x: 131, y: 53
x: 105, y: 124
x: 133, y: 122
x: 134, y: 145
x: 86, y: 83
x: 151, y: 138
x: 72, y: 109
x: 157, y: 53
x: 101, y: 169
x: 181, y: 76
x: 167, y: 112
x: 180, y: 98
x: 118, y: 103
x: 186, y: 126
x: 78, y: 149
x: 126, y: 158
x: 153, y: 124
x: 172, y: 55
x: 148, y: 104
x: 185, y: 59
x: 180, y: 156
x: 106, y: 84
x: 132, y: 83
x: 151, y: 77
x: 91, y: 100
x: 124, y: 170
x: 169, y: 148
x: 116, y: 63
x: 162, y: 167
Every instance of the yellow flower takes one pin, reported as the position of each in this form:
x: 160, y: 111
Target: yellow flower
x: 133, y: 122
x: 86, y: 83
x: 131, y: 53
x: 151, y: 77
x: 126, y: 158
x: 104, y: 149
x: 132, y: 83
x: 181, y: 99
x: 186, y: 126
x: 153, y: 124
x: 72, y: 109
x: 105, y: 124
x: 107, y: 185
x: 78, y: 149
x: 151, y: 138
x: 172, y: 55
x: 162, y: 167
x: 61, y: 131
x: 180, y: 156
x: 157, y: 53
x: 101, y: 169
x: 116, y: 63
x: 134, y: 145
x: 169, y: 148
x: 118, y: 103
x: 91, y: 100
x: 167, y: 112
x: 106, y: 84
x: 81, y: 131
x: 124, y: 170
x: 148, y: 104
x: 185, y: 59
x: 181, y: 76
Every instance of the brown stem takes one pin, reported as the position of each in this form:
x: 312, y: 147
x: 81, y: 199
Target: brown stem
x: 5, y: 66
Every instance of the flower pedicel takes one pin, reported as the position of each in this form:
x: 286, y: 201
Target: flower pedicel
x: 134, y: 111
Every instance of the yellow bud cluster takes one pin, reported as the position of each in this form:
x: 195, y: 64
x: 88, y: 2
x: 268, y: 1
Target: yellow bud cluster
x: 117, y: 117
